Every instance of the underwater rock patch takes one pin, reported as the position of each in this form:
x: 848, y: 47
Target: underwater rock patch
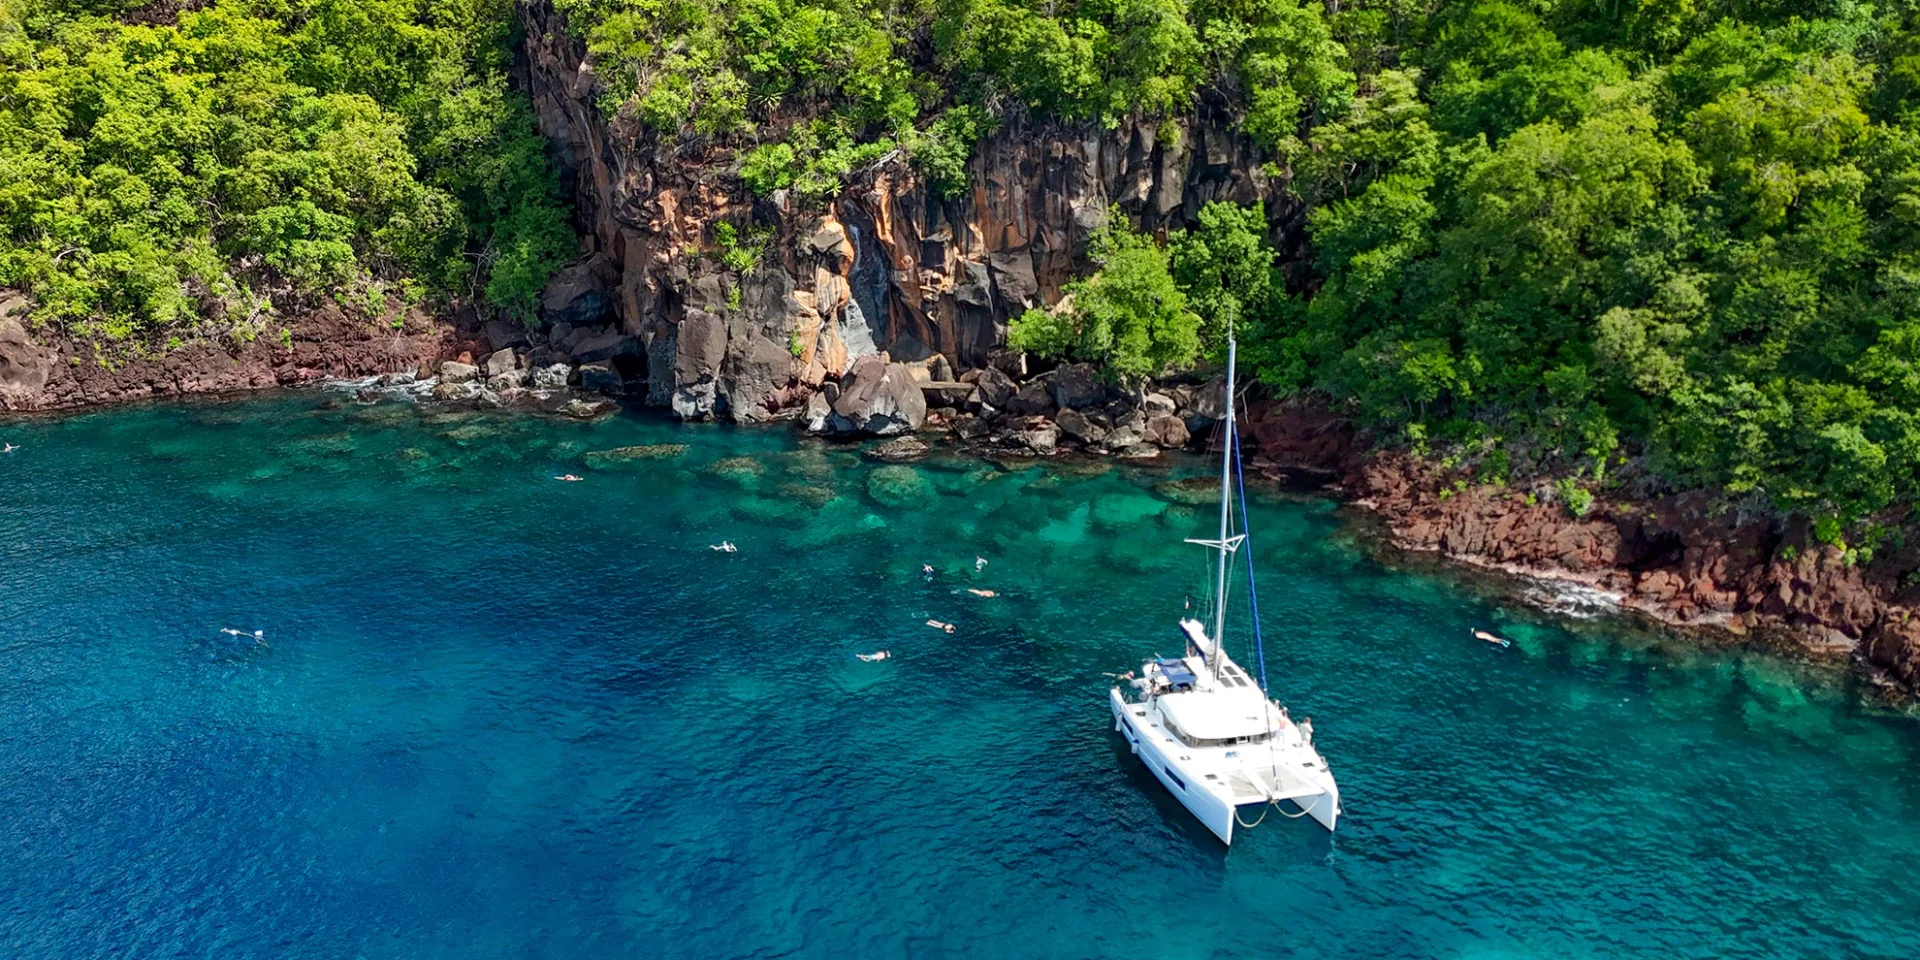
x: 619, y: 455
x: 1193, y: 491
x: 900, y: 486
x: 740, y: 471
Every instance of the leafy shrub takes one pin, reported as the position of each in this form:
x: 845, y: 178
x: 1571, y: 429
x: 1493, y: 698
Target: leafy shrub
x: 1129, y: 315
x: 1579, y: 500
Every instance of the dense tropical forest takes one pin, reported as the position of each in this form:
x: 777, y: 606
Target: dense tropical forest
x: 1682, y: 230
x: 165, y: 162
x: 1682, y: 234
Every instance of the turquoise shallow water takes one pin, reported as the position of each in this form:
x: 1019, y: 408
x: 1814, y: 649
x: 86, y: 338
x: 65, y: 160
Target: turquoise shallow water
x: 503, y: 716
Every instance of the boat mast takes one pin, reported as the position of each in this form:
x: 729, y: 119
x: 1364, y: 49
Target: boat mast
x: 1226, y: 499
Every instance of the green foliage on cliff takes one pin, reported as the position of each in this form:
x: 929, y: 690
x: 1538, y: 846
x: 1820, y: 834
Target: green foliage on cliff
x: 158, y: 168
x: 1129, y: 315
x: 812, y: 90
x: 1688, y: 230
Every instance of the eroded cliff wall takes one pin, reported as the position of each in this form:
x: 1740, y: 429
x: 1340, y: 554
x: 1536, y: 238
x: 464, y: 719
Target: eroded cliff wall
x: 888, y: 265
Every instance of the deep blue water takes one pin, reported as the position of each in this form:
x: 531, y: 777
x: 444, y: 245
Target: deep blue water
x: 498, y: 715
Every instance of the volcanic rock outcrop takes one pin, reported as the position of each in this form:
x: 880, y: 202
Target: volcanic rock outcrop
x: 888, y: 266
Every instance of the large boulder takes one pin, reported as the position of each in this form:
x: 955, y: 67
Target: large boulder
x: 700, y: 345
x: 1077, y: 425
x: 457, y: 391
x: 601, y: 378
x: 878, y: 398
x: 553, y: 376
x: 996, y: 388
x: 755, y: 374
x: 695, y: 402
x: 1122, y: 437
x: 502, y: 361
x: 1040, y: 435
x: 819, y: 413
x: 581, y: 294
x: 24, y: 365
x: 830, y: 239
x: 1014, y: 279
x: 600, y: 344
x: 453, y: 371
x: 1075, y: 386
x: 1168, y: 431
x: 971, y: 428
x: 1013, y: 363
x: 957, y: 395
x: 1155, y: 404
x: 1033, y: 400
x: 1209, y: 402
x: 504, y: 334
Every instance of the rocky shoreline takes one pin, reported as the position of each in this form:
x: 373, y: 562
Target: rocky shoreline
x: 46, y: 374
x: 1683, y: 561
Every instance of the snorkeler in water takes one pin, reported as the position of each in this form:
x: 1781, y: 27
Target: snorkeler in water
x: 258, y: 636
x: 1490, y: 638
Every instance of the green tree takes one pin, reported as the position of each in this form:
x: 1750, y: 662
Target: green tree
x: 1225, y: 267
x: 1130, y: 315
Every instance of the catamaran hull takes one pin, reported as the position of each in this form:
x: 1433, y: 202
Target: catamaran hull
x: 1212, y: 812
x: 1324, y: 807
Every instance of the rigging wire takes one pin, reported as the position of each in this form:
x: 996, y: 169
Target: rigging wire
x: 1253, y: 594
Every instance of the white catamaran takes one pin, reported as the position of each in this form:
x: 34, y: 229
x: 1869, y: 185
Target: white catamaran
x: 1206, y: 729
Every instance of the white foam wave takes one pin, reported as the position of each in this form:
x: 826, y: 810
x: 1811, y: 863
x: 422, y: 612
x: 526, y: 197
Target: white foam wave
x: 1575, y: 600
x: 391, y: 385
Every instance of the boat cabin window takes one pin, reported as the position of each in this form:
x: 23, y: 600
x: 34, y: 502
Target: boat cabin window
x: 1193, y: 741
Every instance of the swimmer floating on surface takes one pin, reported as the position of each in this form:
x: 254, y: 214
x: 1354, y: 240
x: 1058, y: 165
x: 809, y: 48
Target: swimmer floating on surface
x: 926, y: 570
x: 258, y: 636
x: 871, y: 657
x: 979, y: 564
x: 724, y: 546
x: 981, y: 593
x: 1490, y: 638
x: 938, y: 625
x: 570, y: 478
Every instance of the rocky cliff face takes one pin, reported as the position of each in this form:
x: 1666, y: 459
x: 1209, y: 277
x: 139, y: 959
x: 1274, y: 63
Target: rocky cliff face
x: 888, y: 266
x: 1682, y: 559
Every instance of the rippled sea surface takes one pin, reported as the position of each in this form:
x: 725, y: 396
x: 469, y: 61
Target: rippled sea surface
x: 497, y: 715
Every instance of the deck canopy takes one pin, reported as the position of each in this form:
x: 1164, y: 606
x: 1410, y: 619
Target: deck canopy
x: 1176, y: 671
x: 1220, y: 714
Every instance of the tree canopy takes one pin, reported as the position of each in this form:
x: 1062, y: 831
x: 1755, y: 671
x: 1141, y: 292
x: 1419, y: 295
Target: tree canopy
x: 165, y: 172
x: 1684, y: 233
x: 1683, y: 230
